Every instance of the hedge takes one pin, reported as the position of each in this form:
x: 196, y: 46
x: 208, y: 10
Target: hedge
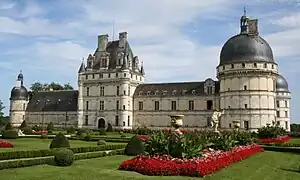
x: 16, y: 163
x: 282, y: 149
x: 281, y: 145
x: 107, y: 139
x: 48, y: 152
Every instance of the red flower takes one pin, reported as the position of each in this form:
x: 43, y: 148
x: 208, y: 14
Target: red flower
x: 41, y: 132
x: 278, y: 140
x: 212, y: 162
x: 5, y: 144
x: 143, y: 137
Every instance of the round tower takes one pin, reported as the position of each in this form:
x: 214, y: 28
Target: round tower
x: 283, y: 98
x: 247, y: 74
x: 18, y: 102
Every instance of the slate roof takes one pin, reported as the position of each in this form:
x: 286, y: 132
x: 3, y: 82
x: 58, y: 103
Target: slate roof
x: 173, y: 89
x: 53, y: 101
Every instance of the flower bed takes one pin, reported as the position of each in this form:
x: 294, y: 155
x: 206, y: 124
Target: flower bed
x: 212, y: 161
x: 5, y: 144
x: 40, y: 132
x: 277, y: 140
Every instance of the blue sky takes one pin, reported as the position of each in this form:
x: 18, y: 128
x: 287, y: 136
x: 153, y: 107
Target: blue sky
x: 177, y: 40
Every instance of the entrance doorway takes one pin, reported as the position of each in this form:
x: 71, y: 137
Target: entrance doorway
x: 101, y: 123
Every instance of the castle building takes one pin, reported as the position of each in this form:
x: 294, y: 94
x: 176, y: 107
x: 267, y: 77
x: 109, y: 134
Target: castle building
x: 111, y: 89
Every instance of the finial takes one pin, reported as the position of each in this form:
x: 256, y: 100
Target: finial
x: 245, y: 11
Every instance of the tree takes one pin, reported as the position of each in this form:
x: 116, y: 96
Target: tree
x: 3, y: 120
x: 2, y: 107
x: 37, y: 86
x: 68, y: 87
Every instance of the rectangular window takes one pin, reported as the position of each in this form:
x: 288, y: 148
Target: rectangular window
x: 128, y: 90
x: 124, y: 107
x: 245, y: 87
x: 255, y: 65
x: 118, y: 90
x: 108, y: 75
x: 246, y: 106
x: 278, y: 123
x: 101, y: 90
x: 117, y: 120
x: 191, y: 105
x: 277, y: 104
x: 86, y: 76
x: 286, y: 103
x: 243, y: 65
x: 124, y: 74
x: 86, y: 120
x: 173, y: 106
x: 128, y: 121
x: 87, y: 105
x: 124, y: 92
x: 117, y: 75
x: 117, y: 105
x: 141, y: 106
x: 286, y: 113
x: 101, y: 105
x: 278, y: 113
x: 156, y: 105
x: 229, y: 125
x: 246, y: 125
x: 100, y: 75
x: 87, y: 91
x: 286, y: 125
x: 93, y: 76
x: 209, y: 105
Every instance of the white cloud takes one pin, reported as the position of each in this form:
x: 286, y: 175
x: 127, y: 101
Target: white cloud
x: 6, y: 5
x: 290, y: 21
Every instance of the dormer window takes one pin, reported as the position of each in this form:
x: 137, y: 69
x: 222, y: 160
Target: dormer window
x: 156, y: 93
x: 148, y: 93
x: 59, y: 100
x: 243, y: 65
x: 193, y: 91
x: 184, y: 91
x: 272, y: 66
x: 232, y: 66
x: 38, y: 101
x: 265, y: 65
x: 255, y: 65
x: 140, y: 93
x: 165, y: 92
x: 174, y: 92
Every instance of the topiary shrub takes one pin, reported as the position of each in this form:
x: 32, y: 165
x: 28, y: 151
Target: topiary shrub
x: 102, y: 132
x: 101, y: 142
x: 109, y: 128
x: 64, y: 157
x: 88, y: 137
x: 81, y: 131
x: 60, y: 141
x: 50, y: 127
x: 10, y: 134
x: 27, y: 130
x: 37, y: 128
x: 82, y: 136
x: 134, y: 147
x: 8, y: 126
x: 23, y: 125
x: 122, y: 135
x: 44, y: 136
x: 71, y: 130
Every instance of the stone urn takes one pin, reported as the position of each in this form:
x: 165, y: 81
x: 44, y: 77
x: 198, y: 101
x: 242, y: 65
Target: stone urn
x: 236, y: 125
x: 177, y: 122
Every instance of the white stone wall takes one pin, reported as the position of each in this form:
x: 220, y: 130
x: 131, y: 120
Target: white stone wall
x: 283, y: 110
x: 17, y: 112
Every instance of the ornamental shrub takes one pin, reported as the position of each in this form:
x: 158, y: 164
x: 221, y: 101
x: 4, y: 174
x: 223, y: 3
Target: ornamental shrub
x: 37, y: 128
x: 44, y: 136
x: 71, y: 130
x: 101, y: 143
x: 88, y: 137
x: 271, y: 132
x: 23, y: 125
x: 109, y: 128
x: 102, y: 131
x: 64, y: 157
x: 81, y: 131
x: 10, y: 134
x: 50, y: 127
x: 8, y: 126
x: 60, y: 141
x: 134, y: 147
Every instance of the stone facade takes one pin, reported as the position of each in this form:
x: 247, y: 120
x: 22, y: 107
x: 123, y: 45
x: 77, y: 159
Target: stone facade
x: 111, y: 89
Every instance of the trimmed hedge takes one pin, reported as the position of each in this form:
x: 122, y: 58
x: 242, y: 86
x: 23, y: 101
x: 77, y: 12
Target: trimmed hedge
x: 48, y: 152
x: 16, y: 163
x: 281, y: 145
x: 107, y: 139
x: 282, y: 149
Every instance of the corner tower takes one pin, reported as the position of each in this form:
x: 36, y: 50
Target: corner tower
x: 247, y: 74
x: 18, y: 102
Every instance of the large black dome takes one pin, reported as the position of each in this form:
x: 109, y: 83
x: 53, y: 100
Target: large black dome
x: 281, y: 84
x: 19, y: 93
x: 246, y: 48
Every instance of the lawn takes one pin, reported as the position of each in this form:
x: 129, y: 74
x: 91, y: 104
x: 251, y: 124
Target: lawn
x: 35, y: 143
x: 262, y: 166
x: 294, y: 141
x: 112, y: 135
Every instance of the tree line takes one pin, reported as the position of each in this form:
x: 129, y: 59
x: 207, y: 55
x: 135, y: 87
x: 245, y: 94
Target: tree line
x: 37, y: 86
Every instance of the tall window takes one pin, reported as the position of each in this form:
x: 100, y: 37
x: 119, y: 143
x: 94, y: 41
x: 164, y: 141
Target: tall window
x: 245, y: 87
x: 24, y: 106
x: 87, y: 105
x: 141, y: 106
x: 128, y: 90
x: 173, y: 105
x: 118, y: 90
x: 156, y: 105
x: 277, y: 104
x: 117, y: 75
x: 209, y: 104
x: 286, y: 113
x: 117, y: 120
x: 286, y: 125
x: 246, y: 125
x: 278, y: 113
x: 86, y: 120
x: 117, y: 105
x: 191, y: 105
x: 286, y: 103
x: 102, y: 105
x: 128, y: 121
x: 101, y: 90
x: 124, y: 107
x: 87, y: 91
x: 100, y: 75
x: 209, y: 90
x: 108, y: 75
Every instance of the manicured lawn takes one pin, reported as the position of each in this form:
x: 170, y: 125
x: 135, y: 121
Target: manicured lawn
x: 262, y: 166
x: 36, y: 143
x: 112, y: 135
x: 294, y: 141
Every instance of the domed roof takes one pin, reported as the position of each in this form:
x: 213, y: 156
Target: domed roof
x: 245, y: 48
x: 281, y: 84
x: 19, y: 93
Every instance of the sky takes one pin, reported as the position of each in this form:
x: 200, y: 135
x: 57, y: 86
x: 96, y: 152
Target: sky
x: 177, y: 40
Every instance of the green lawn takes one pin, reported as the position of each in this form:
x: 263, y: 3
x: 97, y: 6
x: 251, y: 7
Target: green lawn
x: 262, y: 166
x: 294, y: 141
x: 36, y: 143
x: 112, y: 135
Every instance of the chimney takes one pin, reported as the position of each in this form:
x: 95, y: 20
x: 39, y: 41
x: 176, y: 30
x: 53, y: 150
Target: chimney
x: 253, y: 27
x: 122, y: 39
x: 102, y: 42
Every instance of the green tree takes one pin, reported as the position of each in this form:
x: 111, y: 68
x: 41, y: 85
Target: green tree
x: 37, y: 86
x: 3, y: 120
x: 68, y: 87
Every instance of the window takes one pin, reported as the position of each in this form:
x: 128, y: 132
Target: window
x: 148, y: 93
x: 117, y: 75
x: 87, y: 105
x: 246, y: 106
x: 86, y: 121
x: 174, y: 92
x: 117, y: 105
x: 24, y: 106
x: 117, y: 120
x: 272, y: 66
x: 243, y: 65
x: 255, y: 65
x: 118, y: 90
x: 246, y: 125
x: 286, y: 125
x: 277, y: 104
x: 124, y: 124
x: 128, y: 90
x: 229, y: 107
x: 124, y: 92
x: 100, y: 75
x: 141, y: 106
x: 232, y: 66
x: 193, y: 91
x: 173, y: 105
x: 228, y: 89
x: 124, y: 74
x: 156, y: 93
x: 209, y: 104
x: 128, y: 121
x: 265, y: 65
x: 23, y: 117
x: 209, y: 90
x: 191, y: 105
x: 124, y: 107
x: 131, y: 75
x: 102, y: 105
x: 229, y: 125
x: 286, y: 103
x: 101, y: 90
x: 208, y: 121
x: 93, y: 76
x: 87, y: 76
x: 156, y: 105
x: 87, y: 91
x: 278, y: 123
x: 108, y: 75
x: 278, y: 113
x: 245, y: 87
x: 286, y: 113
x: 223, y: 67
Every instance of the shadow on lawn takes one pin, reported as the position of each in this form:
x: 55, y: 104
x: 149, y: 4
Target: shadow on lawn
x: 291, y: 169
x: 51, y: 162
